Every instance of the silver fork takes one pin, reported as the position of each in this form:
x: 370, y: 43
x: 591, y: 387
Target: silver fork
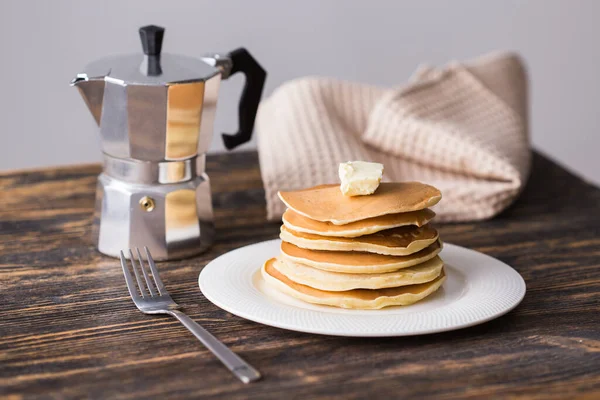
x: 155, y: 299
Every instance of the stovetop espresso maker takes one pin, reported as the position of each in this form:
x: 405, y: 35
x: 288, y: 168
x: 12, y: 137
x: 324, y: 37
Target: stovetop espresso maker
x: 155, y: 114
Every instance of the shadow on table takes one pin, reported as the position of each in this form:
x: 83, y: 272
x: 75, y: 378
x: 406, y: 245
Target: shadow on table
x: 553, y: 189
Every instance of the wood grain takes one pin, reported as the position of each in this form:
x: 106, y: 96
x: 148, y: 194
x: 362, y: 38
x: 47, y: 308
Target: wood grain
x: 68, y: 328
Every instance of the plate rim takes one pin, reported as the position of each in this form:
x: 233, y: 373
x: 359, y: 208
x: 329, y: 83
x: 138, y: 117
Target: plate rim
x: 329, y: 332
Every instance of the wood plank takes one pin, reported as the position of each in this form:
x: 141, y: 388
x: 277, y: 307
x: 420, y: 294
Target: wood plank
x: 68, y: 328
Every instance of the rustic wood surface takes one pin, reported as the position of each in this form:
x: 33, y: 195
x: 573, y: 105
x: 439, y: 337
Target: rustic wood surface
x: 68, y: 328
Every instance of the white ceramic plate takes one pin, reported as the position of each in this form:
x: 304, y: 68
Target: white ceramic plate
x: 478, y: 288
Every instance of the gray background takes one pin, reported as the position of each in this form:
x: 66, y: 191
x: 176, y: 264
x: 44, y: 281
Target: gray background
x: 44, y: 43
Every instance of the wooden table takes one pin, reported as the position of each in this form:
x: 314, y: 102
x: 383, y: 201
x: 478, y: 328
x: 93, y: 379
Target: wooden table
x: 68, y: 328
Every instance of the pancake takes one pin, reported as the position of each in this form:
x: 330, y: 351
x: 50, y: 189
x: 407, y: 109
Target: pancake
x: 299, y: 223
x: 394, y: 242
x: 326, y: 203
x: 336, y: 282
x: 356, y: 298
x: 355, y: 262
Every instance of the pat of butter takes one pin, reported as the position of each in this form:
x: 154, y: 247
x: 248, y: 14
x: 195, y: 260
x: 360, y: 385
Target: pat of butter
x: 360, y: 177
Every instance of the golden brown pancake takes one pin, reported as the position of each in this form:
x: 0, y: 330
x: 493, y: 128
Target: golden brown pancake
x: 356, y: 298
x: 356, y: 262
x: 299, y: 223
x: 326, y: 203
x: 395, y: 242
x: 337, y: 282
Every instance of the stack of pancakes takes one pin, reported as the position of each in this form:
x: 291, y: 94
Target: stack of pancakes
x: 363, y: 252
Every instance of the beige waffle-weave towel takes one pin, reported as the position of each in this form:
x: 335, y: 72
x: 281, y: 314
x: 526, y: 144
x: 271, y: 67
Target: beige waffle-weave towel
x: 461, y: 128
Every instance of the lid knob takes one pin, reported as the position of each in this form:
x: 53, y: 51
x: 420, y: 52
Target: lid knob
x: 152, y: 37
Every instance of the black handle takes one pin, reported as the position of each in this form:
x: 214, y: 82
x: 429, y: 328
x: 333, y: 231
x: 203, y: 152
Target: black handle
x: 255, y: 81
x: 152, y: 38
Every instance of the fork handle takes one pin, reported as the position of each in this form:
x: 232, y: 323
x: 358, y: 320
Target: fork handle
x: 240, y: 368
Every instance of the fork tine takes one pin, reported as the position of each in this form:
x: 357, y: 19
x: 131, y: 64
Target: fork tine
x: 129, y: 279
x: 137, y: 275
x: 141, y: 261
x: 159, y: 284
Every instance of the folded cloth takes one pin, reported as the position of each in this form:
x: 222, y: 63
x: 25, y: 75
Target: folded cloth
x: 462, y: 128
